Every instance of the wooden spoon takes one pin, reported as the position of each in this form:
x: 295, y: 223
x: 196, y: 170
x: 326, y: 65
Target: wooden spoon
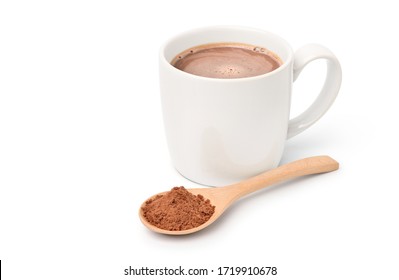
x: 223, y: 197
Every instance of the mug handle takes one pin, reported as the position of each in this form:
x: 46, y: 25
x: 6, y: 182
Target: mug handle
x: 328, y: 93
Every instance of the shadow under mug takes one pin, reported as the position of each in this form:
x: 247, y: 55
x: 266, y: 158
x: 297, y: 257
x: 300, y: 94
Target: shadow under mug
x: 221, y: 131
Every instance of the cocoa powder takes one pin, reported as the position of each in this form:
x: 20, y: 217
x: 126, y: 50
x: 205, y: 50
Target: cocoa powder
x: 178, y: 210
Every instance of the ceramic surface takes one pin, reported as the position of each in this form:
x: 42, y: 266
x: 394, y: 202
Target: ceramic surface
x: 221, y: 131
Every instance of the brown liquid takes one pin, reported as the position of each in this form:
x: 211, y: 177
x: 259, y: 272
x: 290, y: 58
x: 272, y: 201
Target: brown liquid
x: 227, y: 61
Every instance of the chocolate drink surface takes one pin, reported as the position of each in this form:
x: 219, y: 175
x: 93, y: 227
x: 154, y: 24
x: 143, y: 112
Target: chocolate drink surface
x: 227, y: 60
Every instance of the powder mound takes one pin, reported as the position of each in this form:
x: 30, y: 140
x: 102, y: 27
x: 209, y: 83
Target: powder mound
x: 178, y: 210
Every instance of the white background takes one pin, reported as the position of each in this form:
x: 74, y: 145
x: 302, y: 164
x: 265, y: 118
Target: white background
x: 82, y: 143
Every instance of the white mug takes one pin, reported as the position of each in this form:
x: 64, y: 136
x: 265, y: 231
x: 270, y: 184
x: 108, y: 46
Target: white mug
x: 221, y: 131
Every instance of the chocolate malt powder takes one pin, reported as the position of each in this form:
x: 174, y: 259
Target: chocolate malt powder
x: 178, y: 210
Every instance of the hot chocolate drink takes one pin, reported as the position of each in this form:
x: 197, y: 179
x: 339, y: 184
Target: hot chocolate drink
x: 227, y: 60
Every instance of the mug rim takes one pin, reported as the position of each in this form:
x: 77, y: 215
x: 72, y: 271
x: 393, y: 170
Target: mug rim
x: 285, y: 64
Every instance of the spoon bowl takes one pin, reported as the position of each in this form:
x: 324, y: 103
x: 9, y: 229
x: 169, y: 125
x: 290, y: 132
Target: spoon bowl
x: 223, y: 197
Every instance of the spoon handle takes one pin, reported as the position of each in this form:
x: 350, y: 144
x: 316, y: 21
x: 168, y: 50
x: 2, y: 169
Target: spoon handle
x: 306, y: 166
